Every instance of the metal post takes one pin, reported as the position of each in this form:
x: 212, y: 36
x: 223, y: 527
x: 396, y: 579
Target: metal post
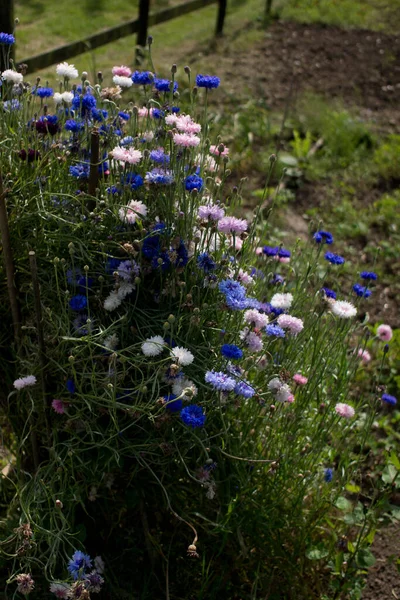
x: 6, y: 26
x: 220, y: 17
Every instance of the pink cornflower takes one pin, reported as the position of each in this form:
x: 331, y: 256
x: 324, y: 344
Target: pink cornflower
x: 293, y: 324
x: 134, y: 210
x: 343, y: 309
x: 25, y: 583
x: 143, y: 112
x: 283, y: 301
x: 186, y: 140
x: 232, y: 225
x: 23, y: 382
x: 245, y: 278
x: 123, y: 71
x: 185, y: 124
x: 237, y: 244
x: 251, y: 339
x: 253, y: 316
x: 345, y: 410
x: 59, y: 406
x: 300, y: 379
x: 215, y: 150
x: 384, y: 332
x: 126, y: 155
x: 171, y: 119
x: 259, y: 251
x: 284, y: 259
x: 364, y: 355
x: 211, y: 211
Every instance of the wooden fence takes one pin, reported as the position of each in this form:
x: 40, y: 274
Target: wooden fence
x: 139, y: 26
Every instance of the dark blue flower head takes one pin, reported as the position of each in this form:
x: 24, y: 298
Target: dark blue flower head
x: 193, y: 182
x: 74, y: 126
x: 80, y: 170
x: 85, y: 103
x: 172, y: 404
x: 159, y: 176
x: 276, y: 279
x: 164, y: 85
x: 392, y: 400
x: 7, y: 39
x: 323, y: 237
x: 271, y: 250
x: 43, y: 92
x: 99, y: 115
x: 328, y: 475
x: 134, y: 180
x: 78, y: 564
x: 328, y: 293
x: 284, y: 253
x: 275, y: 330
x: 207, y: 81
x: 335, y: 259
x: 369, y: 275
x: 159, y: 156
x: 157, y: 113
x: 142, y: 77
x: 205, y: 262
x: 193, y: 416
x: 361, y: 290
x: 70, y: 385
x: 124, y: 116
x: 231, y: 351
x: 78, y: 302
x: 47, y: 124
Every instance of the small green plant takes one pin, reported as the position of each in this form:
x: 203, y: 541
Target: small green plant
x: 386, y: 159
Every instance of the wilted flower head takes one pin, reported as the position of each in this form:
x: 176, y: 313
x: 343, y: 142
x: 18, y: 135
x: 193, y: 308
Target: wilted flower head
x: 25, y: 583
x: 60, y: 590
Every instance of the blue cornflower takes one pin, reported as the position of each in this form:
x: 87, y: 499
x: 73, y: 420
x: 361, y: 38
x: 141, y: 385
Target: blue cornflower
x: 74, y: 126
x: 99, y: 115
x: 277, y: 311
x: 361, y: 290
x: 85, y: 103
x: 277, y: 279
x: 80, y: 171
x: 368, y: 275
x: 159, y: 156
x: 124, y: 115
x: 233, y: 288
x: 328, y: 293
x: 271, y: 250
x: 134, y: 180
x: 126, y: 141
x: 157, y: 113
x: 113, y: 189
x: 11, y: 105
x: 207, y: 81
x: 392, y: 400
x: 242, y: 388
x: 142, y: 77
x: 323, y: 237
x: 164, y: 85
x: 220, y: 381
x: 328, y: 475
x: 231, y: 351
x: 78, y: 564
x: 193, y: 416
x: 73, y: 275
x: 172, y: 404
x: 159, y: 176
x: 112, y: 265
x: 275, y: 330
x: 182, y: 255
x: 80, y: 324
x: 43, y: 92
x: 70, y: 385
x: 193, y: 182
x: 205, y: 262
x: 335, y: 259
x: 284, y: 253
x: 7, y: 39
x: 78, y: 302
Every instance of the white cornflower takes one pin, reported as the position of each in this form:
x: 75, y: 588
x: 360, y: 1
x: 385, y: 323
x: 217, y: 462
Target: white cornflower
x: 67, y: 71
x: 111, y: 342
x: 23, y: 382
x: 124, y: 82
x: 254, y: 316
x: 282, y: 301
x: 12, y: 76
x: 112, y: 301
x: 134, y: 210
x: 275, y: 384
x: 184, y: 386
x: 183, y: 356
x: 65, y: 97
x: 343, y: 309
x: 153, y: 346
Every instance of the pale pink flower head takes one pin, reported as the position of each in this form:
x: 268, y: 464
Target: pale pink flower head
x: 219, y: 150
x: 284, y: 259
x: 384, y: 332
x: 300, y: 379
x: 343, y: 309
x: 364, y: 355
x: 133, y: 211
x: 171, y: 119
x: 126, y: 155
x: 236, y: 243
x: 244, y: 277
x: 293, y: 324
x: 252, y: 340
x: 253, y: 316
x: 186, y: 140
x: 143, y: 112
x: 290, y: 398
x: 23, y: 382
x: 58, y: 406
x: 185, y: 124
x: 345, y: 410
x: 60, y: 590
x: 283, y: 301
x: 259, y: 251
x: 123, y: 71
x: 25, y: 583
x: 232, y: 225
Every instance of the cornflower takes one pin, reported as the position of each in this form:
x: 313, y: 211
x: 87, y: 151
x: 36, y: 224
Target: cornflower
x: 182, y: 355
x: 283, y: 301
x: 220, y: 381
x: 23, y: 382
x: 343, y: 309
x: 153, y: 346
x: 293, y: 324
x: 122, y: 82
x: 122, y: 71
x: 133, y: 211
x: 384, y: 332
x: 186, y: 140
x: 232, y: 225
x: 334, y: 259
x: 67, y: 71
x: 345, y: 410
x: 126, y: 155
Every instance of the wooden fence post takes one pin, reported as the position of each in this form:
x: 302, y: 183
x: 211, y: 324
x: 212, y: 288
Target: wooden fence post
x: 144, y: 7
x: 220, y: 17
x: 6, y: 26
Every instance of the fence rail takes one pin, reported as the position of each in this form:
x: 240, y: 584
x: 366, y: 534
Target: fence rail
x: 139, y: 26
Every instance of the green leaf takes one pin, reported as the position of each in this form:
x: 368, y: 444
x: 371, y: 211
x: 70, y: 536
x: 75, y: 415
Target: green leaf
x: 343, y: 504
x: 389, y: 473
x: 317, y: 552
x: 394, y: 460
x: 365, y: 558
x: 353, y: 489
